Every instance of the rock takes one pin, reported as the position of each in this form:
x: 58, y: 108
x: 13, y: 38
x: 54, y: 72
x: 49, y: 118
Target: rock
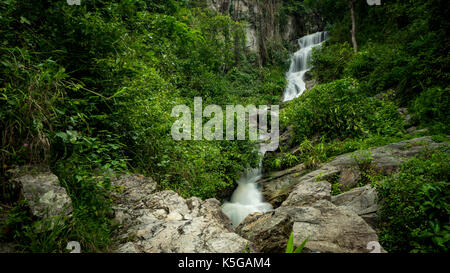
x: 6, y: 247
x: 345, y: 168
x: 349, y: 178
x: 310, y: 84
x: 336, y: 230
x: 328, y: 227
x: 362, y: 201
x: 164, y: 222
x: 308, y: 193
x: 405, y: 114
x: 41, y: 189
x: 268, y: 231
x: 276, y: 188
x: 133, y: 188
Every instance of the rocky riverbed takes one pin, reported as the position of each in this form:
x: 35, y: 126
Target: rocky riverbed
x: 151, y: 221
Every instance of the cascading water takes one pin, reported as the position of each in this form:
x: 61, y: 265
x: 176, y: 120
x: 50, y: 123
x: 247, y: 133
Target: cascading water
x: 299, y: 65
x: 247, y: 198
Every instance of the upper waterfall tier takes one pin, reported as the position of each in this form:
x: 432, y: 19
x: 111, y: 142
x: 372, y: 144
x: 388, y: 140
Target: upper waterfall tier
x: 300, y: 64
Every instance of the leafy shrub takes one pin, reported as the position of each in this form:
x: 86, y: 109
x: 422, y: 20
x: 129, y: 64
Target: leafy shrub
x: 432, y: 108
x: 339, y: 110
x: 415, y: 205
x: 329, y: 61
x: 378, y: 68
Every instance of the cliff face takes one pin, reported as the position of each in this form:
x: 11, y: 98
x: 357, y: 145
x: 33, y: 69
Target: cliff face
x: 267, y: 23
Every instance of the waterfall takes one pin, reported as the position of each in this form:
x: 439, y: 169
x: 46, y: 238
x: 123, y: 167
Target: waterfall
x: 299, y: 65
x: 247, y: 198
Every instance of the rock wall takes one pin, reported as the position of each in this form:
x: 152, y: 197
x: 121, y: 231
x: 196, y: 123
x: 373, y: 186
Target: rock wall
x: 264, y: 25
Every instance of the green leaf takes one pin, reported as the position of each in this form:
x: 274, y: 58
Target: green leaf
x: 299, y: 249
x: 290, y: 244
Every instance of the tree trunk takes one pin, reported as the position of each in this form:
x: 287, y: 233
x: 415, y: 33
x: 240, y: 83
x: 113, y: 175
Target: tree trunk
x: 352, y: 15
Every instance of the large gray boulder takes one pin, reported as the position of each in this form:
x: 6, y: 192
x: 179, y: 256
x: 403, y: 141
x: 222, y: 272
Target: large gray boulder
x: 334, y: 230
x: 43, y: 193
x: 164, y: 222
x: 362, y: 201
x: 277, y: 188
x: 307, y: 193
x: 329, y: 229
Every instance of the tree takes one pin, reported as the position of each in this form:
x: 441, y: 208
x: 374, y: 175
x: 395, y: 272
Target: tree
x: 351, y: 4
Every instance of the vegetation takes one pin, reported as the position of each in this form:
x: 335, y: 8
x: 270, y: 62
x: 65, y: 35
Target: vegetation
x: 89, y: 89
x: 290, y: 245
x: 415, y: 205
x: 400, y: 60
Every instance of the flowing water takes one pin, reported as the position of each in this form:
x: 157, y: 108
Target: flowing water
x: 247, y: 198
x: 299, y: 65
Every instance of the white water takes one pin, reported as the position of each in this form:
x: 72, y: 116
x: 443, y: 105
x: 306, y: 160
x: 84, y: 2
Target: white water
x: 299, y: 65
x: 247, y: 198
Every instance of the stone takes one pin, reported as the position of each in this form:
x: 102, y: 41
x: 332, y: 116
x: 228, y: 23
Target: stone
x: 349, y: 178
x: 362, y: 201
x: 7, y: 247
x: 43, y: 193
x: 337, y: 230
x: 308, y: 193
x: 164, y: 222
x: 268, y: 231
x: 276, y: 189
x: 330, y: 229
x: 344, y: 169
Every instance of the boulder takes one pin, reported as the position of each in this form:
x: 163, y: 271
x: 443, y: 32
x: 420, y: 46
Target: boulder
x: 330, y: 229
x: 43, y: 193
x: 349, y: 177
x: 268, y: 231
x: 7, y: 247
x: 362, y: 201
x: 335, y: 230
x: 276, y: 189
x: 164, y: 222
x: 308, y: 193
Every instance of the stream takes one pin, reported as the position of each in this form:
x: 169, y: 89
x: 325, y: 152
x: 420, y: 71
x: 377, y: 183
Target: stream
x: 248, y: 198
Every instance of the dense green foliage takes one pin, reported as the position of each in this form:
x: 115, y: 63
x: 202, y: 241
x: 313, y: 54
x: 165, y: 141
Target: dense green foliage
x: 402, y: 61
x: 403, y: 46
x: 415, y: 205
x: 89, y: 90
x: 340, y: 110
